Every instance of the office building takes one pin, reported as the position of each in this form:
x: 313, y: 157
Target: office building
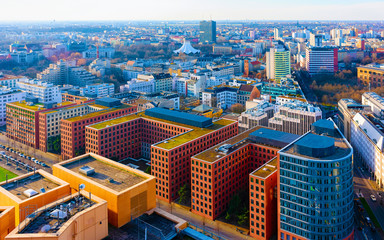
x: 222, y: 96
x: 31, y: 191
x: 295, y: 117
x: 45, y: 92
x: 85, y: 218
x: 99, y: 53
x: 23, y: 121
x: 277, y: 34
x: 278, y: 63
x: 257, y: 116
x: 99, y: 90
x: 8, y: 95
x: 347, y: 110
x: 168, y: 137
x: 143, y: 83
x: 7, y: 220
x: 371, y: 75
x: 315, y: 186
x: 375, y: 102
x: 219, y: 172
x: 73, y: 129
x: 129, y: 192
x: 10, y: 80
x: 207, y: 31
x: 321, y: 60
x: 315, y: 40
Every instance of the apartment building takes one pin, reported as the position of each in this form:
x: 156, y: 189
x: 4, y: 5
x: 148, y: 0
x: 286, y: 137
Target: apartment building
x: 257, y: 116
x: 295, y: 117
x: 45, y: 92
x: 99, y: 90
x: 10, y: 80
x: 371, y: 74
x: 8, y: 95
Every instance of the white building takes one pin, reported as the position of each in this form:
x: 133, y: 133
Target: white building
x: 367, y: 139
x: 376, y: 103
x: 8, y: 95
x: 10, y: 80
x: 220, y: 96
x: 99, y: 66
x: 257, y: 116
x: 99, y: 89
x: 45, y: 92
x: 103, y: 53
x: 143, y: 83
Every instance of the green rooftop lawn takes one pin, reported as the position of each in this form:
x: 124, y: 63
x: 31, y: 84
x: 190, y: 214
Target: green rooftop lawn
x: 34, y: 107
x: 194, y: 133
x: 3, y: 173
x: 97, y: 113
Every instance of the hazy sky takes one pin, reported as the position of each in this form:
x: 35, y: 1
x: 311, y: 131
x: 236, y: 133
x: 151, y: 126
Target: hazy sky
x: 191, y: 9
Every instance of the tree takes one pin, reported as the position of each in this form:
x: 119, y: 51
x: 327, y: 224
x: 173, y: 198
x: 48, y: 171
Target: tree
x: 233, y: 207
x: 237, y: 108
x: 184, y: 193
x: 148, y: 170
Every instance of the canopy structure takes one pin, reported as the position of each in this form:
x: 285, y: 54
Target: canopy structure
x: 187, y: 48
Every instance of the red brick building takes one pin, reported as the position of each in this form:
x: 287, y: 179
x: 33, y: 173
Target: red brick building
x: 169, y: 139
x: 263, y: 201
x: 23, y: 123
x: 73, y: 129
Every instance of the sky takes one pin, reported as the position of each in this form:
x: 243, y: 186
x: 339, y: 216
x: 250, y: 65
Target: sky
x: 83, y: 10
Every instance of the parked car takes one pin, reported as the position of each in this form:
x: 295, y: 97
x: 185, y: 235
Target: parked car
x: 373, y: 198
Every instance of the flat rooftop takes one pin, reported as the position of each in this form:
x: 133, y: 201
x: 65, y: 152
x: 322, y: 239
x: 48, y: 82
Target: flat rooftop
x: 316, y: 142
x: 33, y: 107
x: 172, y: 142
x: 110, y: 176
x: 98, y: 113
x: 266, y: 169
x: 42, y: 220
x: 35, y: 182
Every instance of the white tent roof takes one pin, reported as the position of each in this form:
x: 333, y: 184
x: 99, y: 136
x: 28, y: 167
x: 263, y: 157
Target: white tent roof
x: 187, y: 48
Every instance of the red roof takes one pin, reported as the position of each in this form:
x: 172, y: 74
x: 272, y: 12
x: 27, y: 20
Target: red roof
x: 255, y: 63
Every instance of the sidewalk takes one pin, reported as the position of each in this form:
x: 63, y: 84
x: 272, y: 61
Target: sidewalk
x: 219, y: 228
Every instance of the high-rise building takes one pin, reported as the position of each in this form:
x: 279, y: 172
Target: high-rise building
x: 277, y: 33
x: 67, y: 73
x: 315, y: 186
x: 315, y: 40
x: 278, y: 63
x: 321, y: 60
x: 208, y: 31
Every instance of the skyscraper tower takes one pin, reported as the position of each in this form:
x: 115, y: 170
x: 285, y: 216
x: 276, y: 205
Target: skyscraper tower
x: 315, y: 186
x: 208, y: 31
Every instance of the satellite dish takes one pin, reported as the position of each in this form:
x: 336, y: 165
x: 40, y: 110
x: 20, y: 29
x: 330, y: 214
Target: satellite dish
x: 81, y: 186
x: 42, y: 190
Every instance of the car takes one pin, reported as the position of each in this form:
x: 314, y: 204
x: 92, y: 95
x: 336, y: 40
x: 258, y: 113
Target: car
x: 373, y: 198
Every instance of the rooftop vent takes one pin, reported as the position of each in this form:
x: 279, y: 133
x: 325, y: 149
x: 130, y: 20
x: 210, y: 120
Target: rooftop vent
x: 30, y: 193
x: 86, y: 170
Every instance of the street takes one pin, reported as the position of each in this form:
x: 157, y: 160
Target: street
x: 366, y: 187
x: 214, y: 227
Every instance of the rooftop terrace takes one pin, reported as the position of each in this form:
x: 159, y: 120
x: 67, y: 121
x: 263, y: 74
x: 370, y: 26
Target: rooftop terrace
x: 105, y: 174
x: 35, y: 182
x: 47, y: 221
x: 172, y: 142
x: 266, y: 169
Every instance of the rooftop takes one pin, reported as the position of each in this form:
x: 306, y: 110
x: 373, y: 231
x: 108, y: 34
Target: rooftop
x: 32, y: 107
x: 319, y: 147
x: 53, y: 218
x: 98, y: 113
x: 35, y: 182
x: 105, y: 174
x: 267, y: 169
x: 172, y: 142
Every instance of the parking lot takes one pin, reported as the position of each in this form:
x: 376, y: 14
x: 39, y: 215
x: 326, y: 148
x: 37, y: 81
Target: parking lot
x: 18, y: 162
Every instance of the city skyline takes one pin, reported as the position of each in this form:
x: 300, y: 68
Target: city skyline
x: 44, y: 10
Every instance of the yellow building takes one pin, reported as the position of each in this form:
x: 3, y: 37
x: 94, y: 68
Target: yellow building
x: 129, y: 192
x: 73, y: 217
x: 7, y: 221
x: 31, y: 191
